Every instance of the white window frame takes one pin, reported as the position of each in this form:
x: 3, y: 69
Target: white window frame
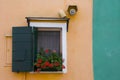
x: 52, y: 25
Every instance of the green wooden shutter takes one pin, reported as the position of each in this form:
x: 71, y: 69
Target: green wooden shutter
x: 35, y: 38
x: 22, y: 58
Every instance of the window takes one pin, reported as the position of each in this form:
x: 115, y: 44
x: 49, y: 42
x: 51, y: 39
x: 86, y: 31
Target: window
x: 49, y: 54
x: 37, y: 43
x: 49, y: 39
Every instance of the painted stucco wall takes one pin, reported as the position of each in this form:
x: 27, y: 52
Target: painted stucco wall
x: 79, y: 36
x: 106, y: 39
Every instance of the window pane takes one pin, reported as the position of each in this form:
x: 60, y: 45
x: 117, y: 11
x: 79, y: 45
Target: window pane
x: 49, y: 40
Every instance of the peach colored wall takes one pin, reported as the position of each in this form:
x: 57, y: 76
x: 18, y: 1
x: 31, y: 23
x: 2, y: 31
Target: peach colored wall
x: 79, y: 37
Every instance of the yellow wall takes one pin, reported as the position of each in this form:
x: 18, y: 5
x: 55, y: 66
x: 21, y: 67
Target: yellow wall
x: 79, y: 37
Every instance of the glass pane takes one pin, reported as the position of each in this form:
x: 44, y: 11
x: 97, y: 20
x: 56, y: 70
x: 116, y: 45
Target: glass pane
x: 49, y: 40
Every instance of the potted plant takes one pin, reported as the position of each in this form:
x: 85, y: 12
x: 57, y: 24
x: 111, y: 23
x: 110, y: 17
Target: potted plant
x: 48, y: 60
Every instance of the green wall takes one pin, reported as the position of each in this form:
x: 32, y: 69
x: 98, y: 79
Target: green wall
x: 106, y: 39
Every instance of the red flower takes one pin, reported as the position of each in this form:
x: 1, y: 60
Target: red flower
x: 56, y: 63
x: 43, y: 66
x: 63, y: 67
x: 37, y: 64
x: 46, y: 51
x: 47, y: 63
x: 51, y: 65
x: 54, y: 51
x: 39, y: 61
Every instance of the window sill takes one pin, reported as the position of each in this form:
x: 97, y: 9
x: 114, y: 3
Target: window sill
x: 47, y: 72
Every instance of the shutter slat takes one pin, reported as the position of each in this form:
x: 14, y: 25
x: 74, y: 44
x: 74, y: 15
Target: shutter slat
x: 25, y: 37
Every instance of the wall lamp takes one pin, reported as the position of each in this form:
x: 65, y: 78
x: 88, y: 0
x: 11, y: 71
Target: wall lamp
x: 72, y: 9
